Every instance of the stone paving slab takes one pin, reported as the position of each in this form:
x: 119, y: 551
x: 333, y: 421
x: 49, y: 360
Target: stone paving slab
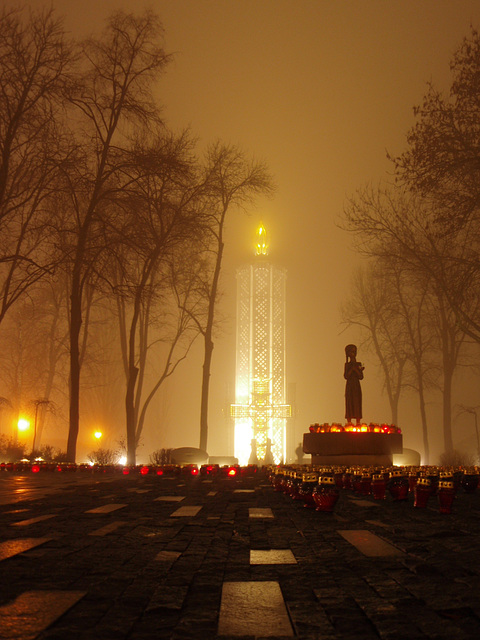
x: 158, y: 577
x: 185, y: 512
x: 26, y: 523
x: 33, y: 611
x: 108, y: 528
x: 253, y: 608
x: 368, y: 543
x: 260, y: 512
x: 9, y: 548
x: 272, y: 556
x: 107, y: 508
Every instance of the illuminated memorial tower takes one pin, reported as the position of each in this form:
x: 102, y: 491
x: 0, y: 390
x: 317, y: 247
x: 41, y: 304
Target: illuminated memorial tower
x: 260, y: 411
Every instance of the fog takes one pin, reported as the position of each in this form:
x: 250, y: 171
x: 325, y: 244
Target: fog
x: 320, y: 91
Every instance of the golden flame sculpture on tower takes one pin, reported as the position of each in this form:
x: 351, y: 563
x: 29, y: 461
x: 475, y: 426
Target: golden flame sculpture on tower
x: 261, y: 241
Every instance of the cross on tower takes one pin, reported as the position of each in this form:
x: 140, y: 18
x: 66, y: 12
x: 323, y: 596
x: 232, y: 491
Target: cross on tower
x: 261, y: 411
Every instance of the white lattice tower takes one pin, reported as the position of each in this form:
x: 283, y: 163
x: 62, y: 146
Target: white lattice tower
x: 260, y: 411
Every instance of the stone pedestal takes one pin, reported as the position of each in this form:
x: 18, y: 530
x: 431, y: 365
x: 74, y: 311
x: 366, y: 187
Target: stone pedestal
x: 349, y: 449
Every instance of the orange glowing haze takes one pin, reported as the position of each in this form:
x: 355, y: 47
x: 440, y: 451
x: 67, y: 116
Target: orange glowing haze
x: 320, y: 91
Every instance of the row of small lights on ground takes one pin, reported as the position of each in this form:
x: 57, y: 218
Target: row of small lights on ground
x: 320, y: 487
x: 144, y: 470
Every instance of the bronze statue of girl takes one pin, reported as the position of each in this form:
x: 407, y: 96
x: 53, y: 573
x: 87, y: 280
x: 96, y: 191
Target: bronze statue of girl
x: 353, y: 373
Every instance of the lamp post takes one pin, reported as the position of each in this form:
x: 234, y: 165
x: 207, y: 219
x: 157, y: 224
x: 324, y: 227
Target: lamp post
x: 38, y: 403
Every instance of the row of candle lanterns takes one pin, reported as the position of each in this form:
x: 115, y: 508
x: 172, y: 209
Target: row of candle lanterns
x: 336, y: 427
x: 320, y: 487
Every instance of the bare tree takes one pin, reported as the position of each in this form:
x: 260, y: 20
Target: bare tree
x: 35, y: 68
x: 112, y: 101
x: 399, y: 228
x: 42, y: 405
x: 166, y: 334
x: 234, y: 182
x: 34, y: 350
x: 442, y: 165
x: 473, y: 411
x: 159, y: 219
x: 373, y: 309
x: 415, y: 313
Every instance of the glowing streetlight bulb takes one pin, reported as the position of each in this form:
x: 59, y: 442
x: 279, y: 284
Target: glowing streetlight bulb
x: 98, y: 435
x: 23, y: 424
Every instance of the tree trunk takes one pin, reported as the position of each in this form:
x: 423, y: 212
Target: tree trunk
x: 130, y: 408
x: 449, y: 357
x: 131, y: 415
x: 75, y: 326
x: 423, y: 414
x: 447, y: 409
x: 207, y: 362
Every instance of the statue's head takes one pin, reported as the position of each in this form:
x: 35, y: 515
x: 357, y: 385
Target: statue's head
x: 351, y: 350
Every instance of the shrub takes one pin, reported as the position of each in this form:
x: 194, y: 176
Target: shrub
x: 103, y: 456
x: 48, y: 453
x: 11, y: 450
x: 161, y: 456
x: 457, y: 459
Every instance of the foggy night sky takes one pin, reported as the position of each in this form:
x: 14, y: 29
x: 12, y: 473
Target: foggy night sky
x: 319, y: 90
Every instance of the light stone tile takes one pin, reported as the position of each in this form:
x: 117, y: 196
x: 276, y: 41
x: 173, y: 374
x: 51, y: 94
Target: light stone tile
x: 171, y: 599
x: 244, y: 491
x: 363, y: 503
x: 368, y: 543
x: 170, y: 498
x: 25, y: 523
x: 384, y: 525
x: 253, y: 609
x: 260, y: 512
x: 107, y: 508
x: 167, y: 556
x: 33, y: 611
x: 103, y: 531
x: 272, y: 556
x: 183, y: 512
x: 10, y: 548
x: 16, y: 511
x: 212, y: 493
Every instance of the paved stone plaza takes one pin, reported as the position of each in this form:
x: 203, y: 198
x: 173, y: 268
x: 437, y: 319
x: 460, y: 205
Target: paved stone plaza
x: 112, y: 557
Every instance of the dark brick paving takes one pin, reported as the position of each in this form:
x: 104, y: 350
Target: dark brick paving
x: 156, y: 577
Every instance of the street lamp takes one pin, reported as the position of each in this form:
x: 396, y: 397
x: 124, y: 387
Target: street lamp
x: 23, y: 424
